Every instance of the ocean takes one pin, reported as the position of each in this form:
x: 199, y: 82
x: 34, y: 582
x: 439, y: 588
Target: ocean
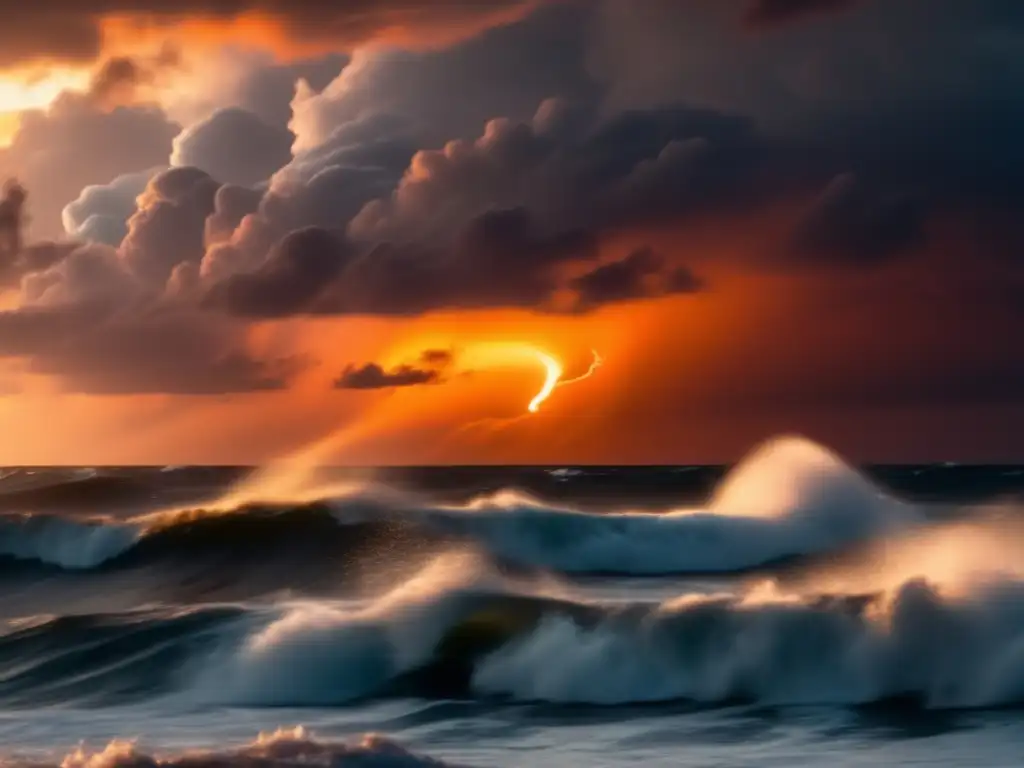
x: 790, y: 610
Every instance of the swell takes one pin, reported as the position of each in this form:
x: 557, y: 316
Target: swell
x: 89, y: 491
x: 103, y: 658
x: 789, y: 500
x: 52, y: 564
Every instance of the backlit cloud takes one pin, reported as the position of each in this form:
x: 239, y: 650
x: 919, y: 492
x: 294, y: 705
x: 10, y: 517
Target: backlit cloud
x: 373, y: 376
x: 67, y: 30
x: 788, y: 216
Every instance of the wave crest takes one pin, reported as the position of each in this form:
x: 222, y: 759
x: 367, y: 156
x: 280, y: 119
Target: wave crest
x: 458, y: 629
x: 790, y: 499
x: 285, y: 747
x: 62, y: 542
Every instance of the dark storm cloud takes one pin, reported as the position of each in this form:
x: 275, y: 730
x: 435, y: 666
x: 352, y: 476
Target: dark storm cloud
x: 298, y: 271
x: 578, y: 172
x: 499, y: 259
x: 850, y: 222
x: 642, y: 274
x: 485, y: 223
x: 95, y: 348
x: 373, y: 376
x: 767, y: 13
x: 448, y: 179
x: 919, y: 113
x: 72, y: 30
x: 876, y: 91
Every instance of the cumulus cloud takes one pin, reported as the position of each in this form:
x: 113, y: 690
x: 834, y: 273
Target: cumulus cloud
x: 89, y: 317
x: 427, y: 180
x: 498, y: 259
x: 298, y: 271
x: 234, y: 146
x: 443, y: 94
x: 642, y: 274
x: 75, y: 143
x: 168, y: 228
x: 245, y: 78
x: 101, y: 212
x: 231, y: 205
x: 612, y: 173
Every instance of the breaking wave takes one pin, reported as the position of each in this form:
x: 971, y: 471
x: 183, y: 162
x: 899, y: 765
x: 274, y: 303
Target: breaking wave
x: 64, y: 542
x: 941, y: 627
x: 284, y: 748
x: 791, y: 499
x: 941, y: 638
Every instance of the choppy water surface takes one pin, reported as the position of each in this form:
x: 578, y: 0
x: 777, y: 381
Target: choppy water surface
x: 787, y: 611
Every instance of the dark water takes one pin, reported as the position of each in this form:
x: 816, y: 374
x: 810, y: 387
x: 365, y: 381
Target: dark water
x: 791, y: 610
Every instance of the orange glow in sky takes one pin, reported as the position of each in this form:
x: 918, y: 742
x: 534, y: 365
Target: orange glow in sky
x: 500, y: 354
x: 26, y: 92
x: 19, y: 92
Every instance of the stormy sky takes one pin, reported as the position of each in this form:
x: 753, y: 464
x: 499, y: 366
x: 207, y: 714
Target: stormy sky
x: 250, y: 222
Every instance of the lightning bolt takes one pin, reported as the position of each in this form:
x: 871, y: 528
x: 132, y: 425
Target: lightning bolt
x: 596, y: 363
x: 554, y: 369
x: 553, y: 380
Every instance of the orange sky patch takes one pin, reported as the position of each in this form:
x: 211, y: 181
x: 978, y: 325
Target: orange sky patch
x: 34, y: 88
x: 134, y: 33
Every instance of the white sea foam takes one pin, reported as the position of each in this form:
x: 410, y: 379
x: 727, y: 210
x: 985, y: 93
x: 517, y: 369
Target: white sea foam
x: 789, y: 498
x: 285, y: 748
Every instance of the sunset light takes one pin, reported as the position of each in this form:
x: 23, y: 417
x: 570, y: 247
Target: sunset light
x: 29, y: 91
x: 553, y: 373
x: 37, y: 90
x: 556, y: 383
